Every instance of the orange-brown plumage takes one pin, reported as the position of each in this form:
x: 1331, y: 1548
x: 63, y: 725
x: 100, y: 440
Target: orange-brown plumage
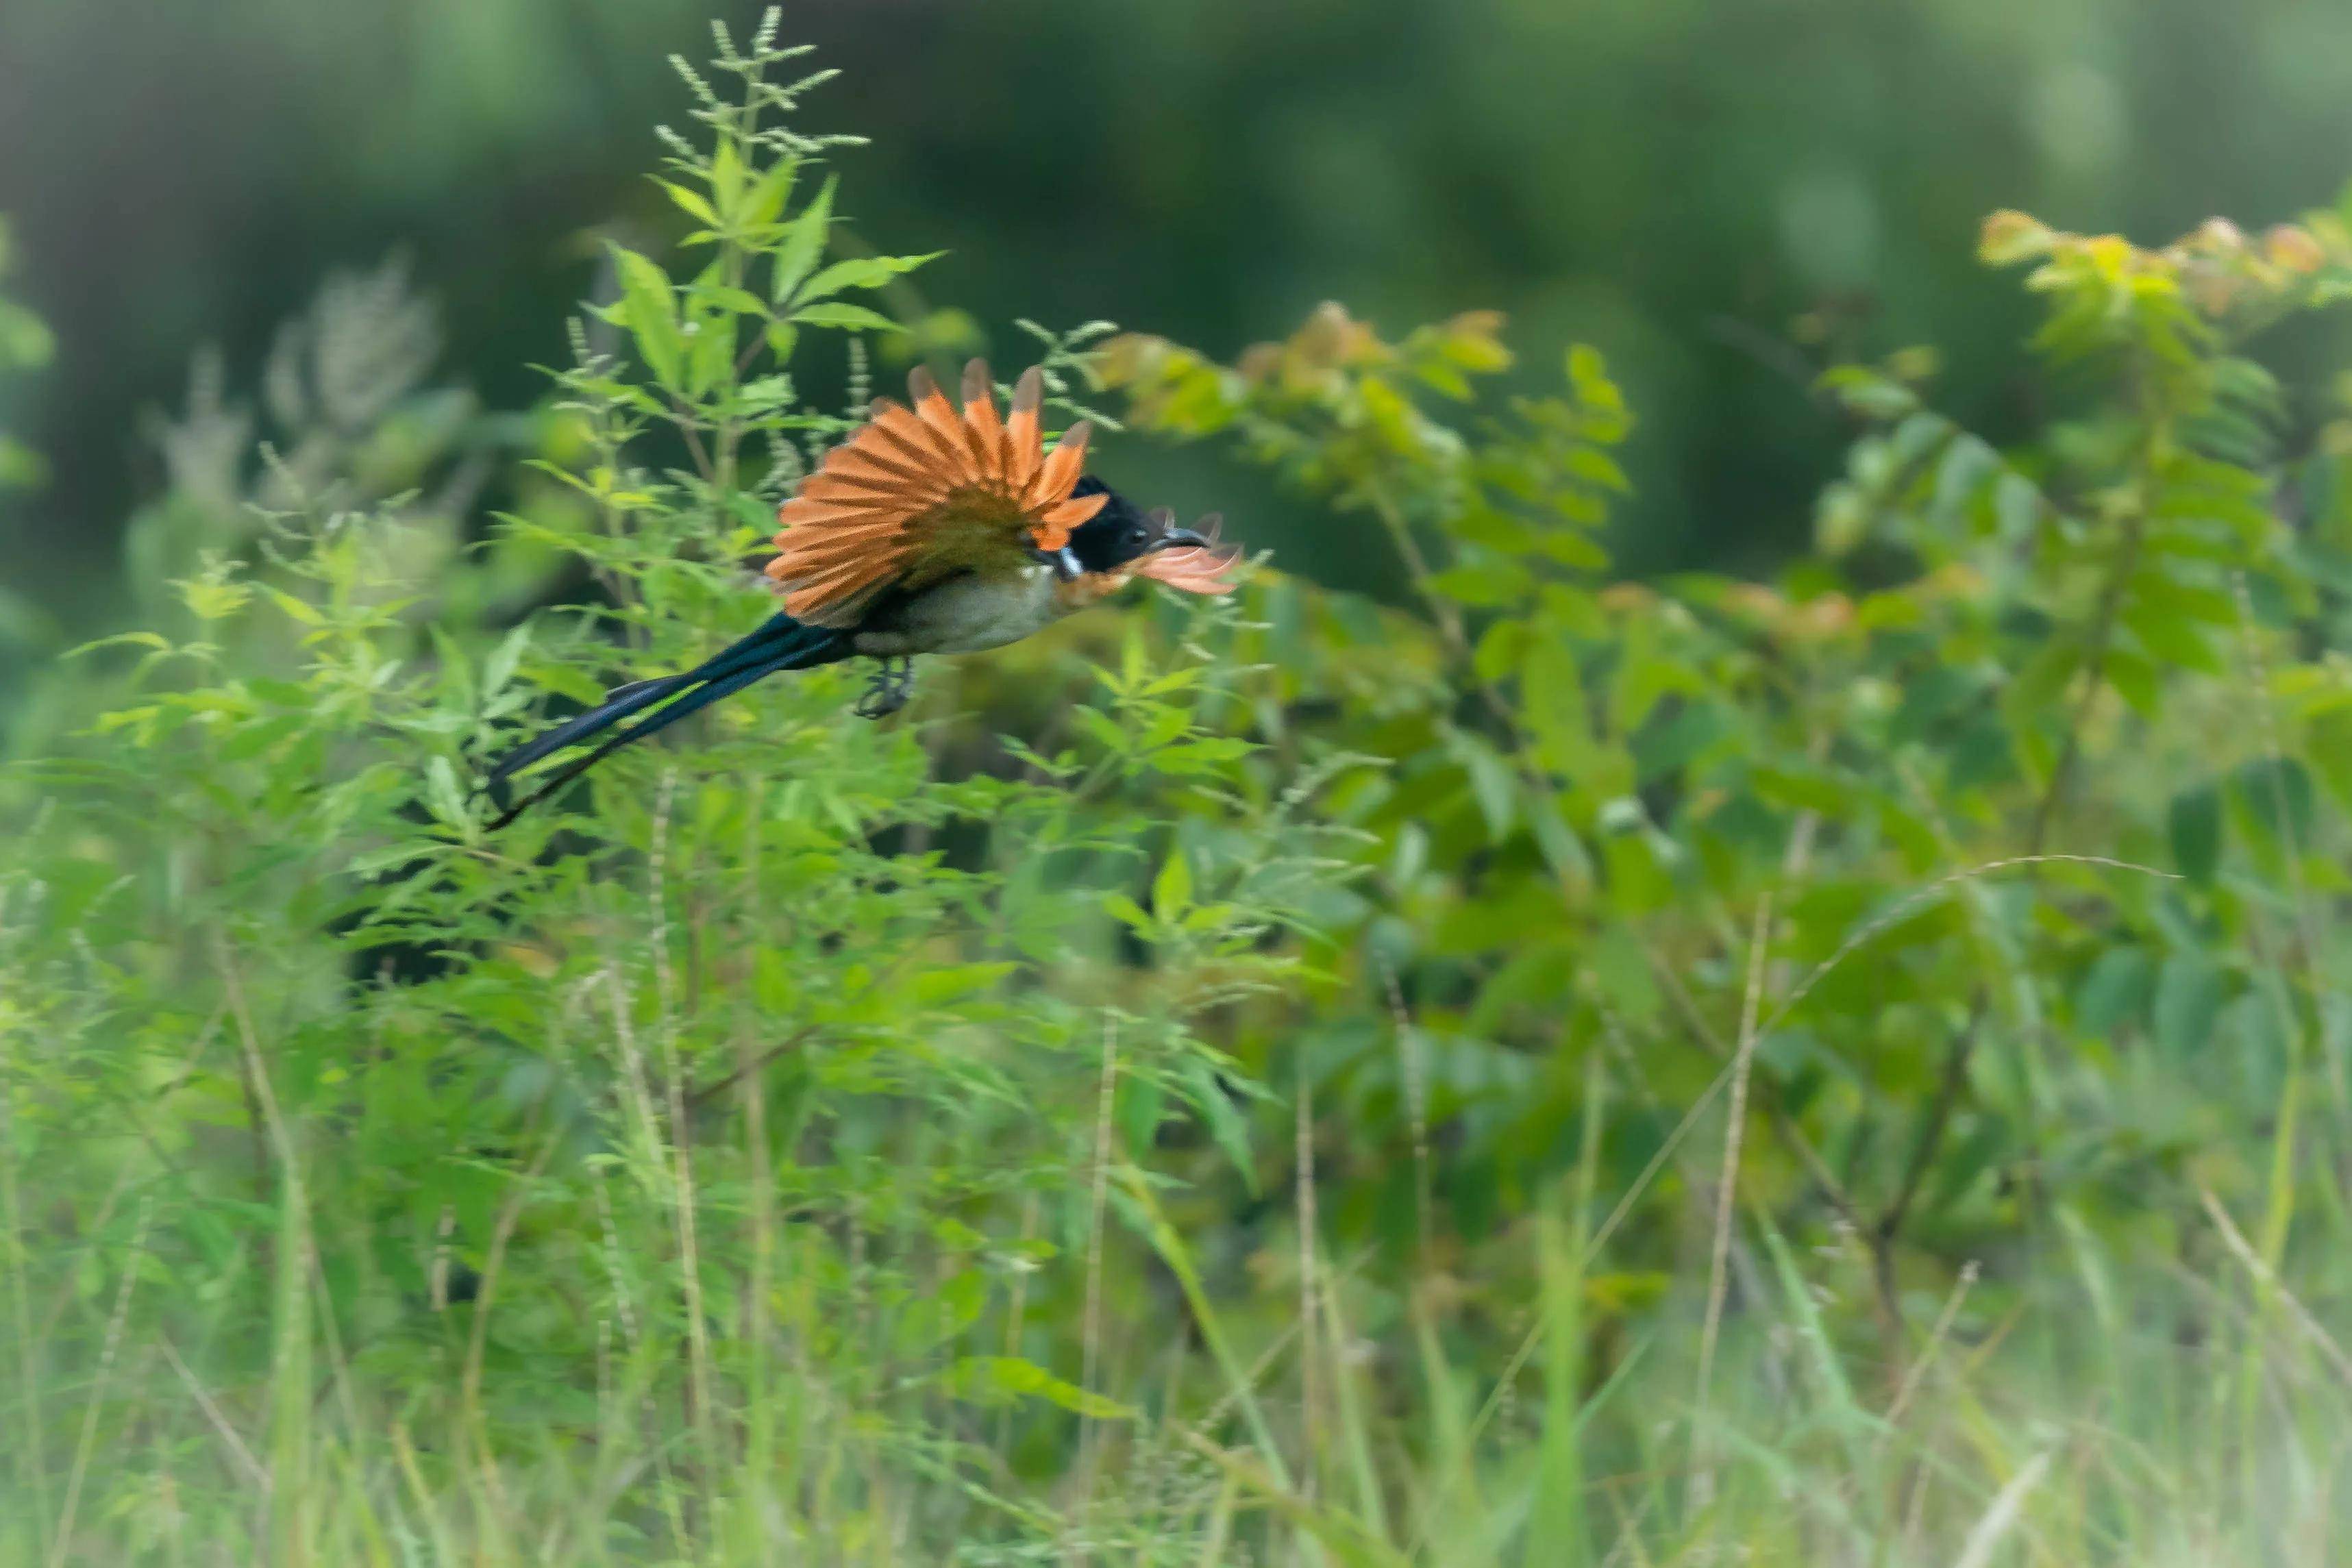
x: 925, y: 489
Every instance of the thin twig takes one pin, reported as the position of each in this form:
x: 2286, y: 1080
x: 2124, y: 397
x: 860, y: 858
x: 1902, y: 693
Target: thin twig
x: 1449, y: 623
x: 698, y: 1330
x: 1918, y: 1372
x: 1416, y: 1100
x: 1784, y: 1126
x: 1775, y: 354
x: 2002, y: 1517
x: 697, y: 1098
x: 2094, y: 665
x: 1736, y: 1122
x: 502, y: 1232
x: 2268, y: 1278
x: 69, y: 1291
x: 1016, y: 1312
x: 1905, y: 907
x: 20, y: 1300
x: 1091, y: 1346
x: 1940, y: 1115
x: 750, y: 1067
x: 758, y: 1413
x: 2307, y: 925
x: 252, y: 1467
x: 62, y: 1542
x: 250, y: 1044
x: 1309, y: 1418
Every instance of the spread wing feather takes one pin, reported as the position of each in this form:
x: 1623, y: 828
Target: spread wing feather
x: 1190, y: 568
x: 925, y: 489
x: 1021, y: 441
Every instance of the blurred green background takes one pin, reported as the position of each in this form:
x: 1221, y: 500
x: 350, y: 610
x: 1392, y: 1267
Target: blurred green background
x: 1676, y: 181
x: 1500, y: 970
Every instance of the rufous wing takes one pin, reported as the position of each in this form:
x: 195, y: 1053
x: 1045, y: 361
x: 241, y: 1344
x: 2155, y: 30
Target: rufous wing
x: 925, y: 489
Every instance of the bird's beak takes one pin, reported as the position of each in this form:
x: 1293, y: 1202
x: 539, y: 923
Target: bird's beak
x: 1182, y: 539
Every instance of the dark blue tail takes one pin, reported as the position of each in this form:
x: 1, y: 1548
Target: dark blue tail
x: 779, y: 643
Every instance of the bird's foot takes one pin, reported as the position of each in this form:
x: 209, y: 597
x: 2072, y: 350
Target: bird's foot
x: 893, y: 683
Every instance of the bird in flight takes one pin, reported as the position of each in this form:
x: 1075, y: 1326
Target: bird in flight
x: 932, y: 530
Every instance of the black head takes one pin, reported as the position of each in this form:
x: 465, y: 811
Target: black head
x: 1121, y: 532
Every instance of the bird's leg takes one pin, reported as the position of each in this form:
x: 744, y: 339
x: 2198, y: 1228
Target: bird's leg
x: 893, y: 683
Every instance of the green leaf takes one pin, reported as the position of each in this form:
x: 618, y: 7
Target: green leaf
x: 295, y: 609
x: 720, y: 295
x: 1621, y: 971
x: 1200, y: 755
x: 2264, y: 785
x: 120, y: 640
x: 1227, y: 1126
x: 805, y: 242
x: 768, y: 195
x: 442, y: 795
x: 932, y: 986
x: 1503, y: 645
x: 1661, y: 748
x: 499, y: 668
x: 1492, y: 783
x: 251, y: 740
x: 2189, y: 996
x: 1967, y: 466
x: 1573, y: 550
x: 1597, y: 468
x: 2114, y: 990
x: 1171, y: 890
x: 850, y: 318
x: 1139, y: 1106
x: 726, y: 173
x: 650, y: 305
x: 214, y: 598
x: 2328, y: 747
x: 1808, y: 789
x: 1481, y: 583
x: 1553, y: 695
x: 863, y: 272
x: 1562, y: 850
x: 688, y: 202
x: 711, y: 351
x: 2193, y: 821
x: 1107, y: 732
x: 2171, y: 638
x: 1588, y: 373
x: 1556, y: 1530
x: 998, y: 1379
x: 1868, y: 393
x: 2016, y: 505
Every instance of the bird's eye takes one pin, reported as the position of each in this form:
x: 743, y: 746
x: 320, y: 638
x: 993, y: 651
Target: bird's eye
x: 1135, y: 535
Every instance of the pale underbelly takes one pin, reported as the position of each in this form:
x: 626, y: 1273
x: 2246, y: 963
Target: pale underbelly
x: 967, y: 615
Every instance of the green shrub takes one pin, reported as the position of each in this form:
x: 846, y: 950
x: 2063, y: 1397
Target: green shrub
x: 1563, y: 1070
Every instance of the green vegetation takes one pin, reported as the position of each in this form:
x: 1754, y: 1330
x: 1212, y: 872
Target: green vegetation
x: 1850, y: 1070
x: 25, y: 344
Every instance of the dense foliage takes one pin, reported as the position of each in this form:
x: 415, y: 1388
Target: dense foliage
x: 1849, y: 1069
